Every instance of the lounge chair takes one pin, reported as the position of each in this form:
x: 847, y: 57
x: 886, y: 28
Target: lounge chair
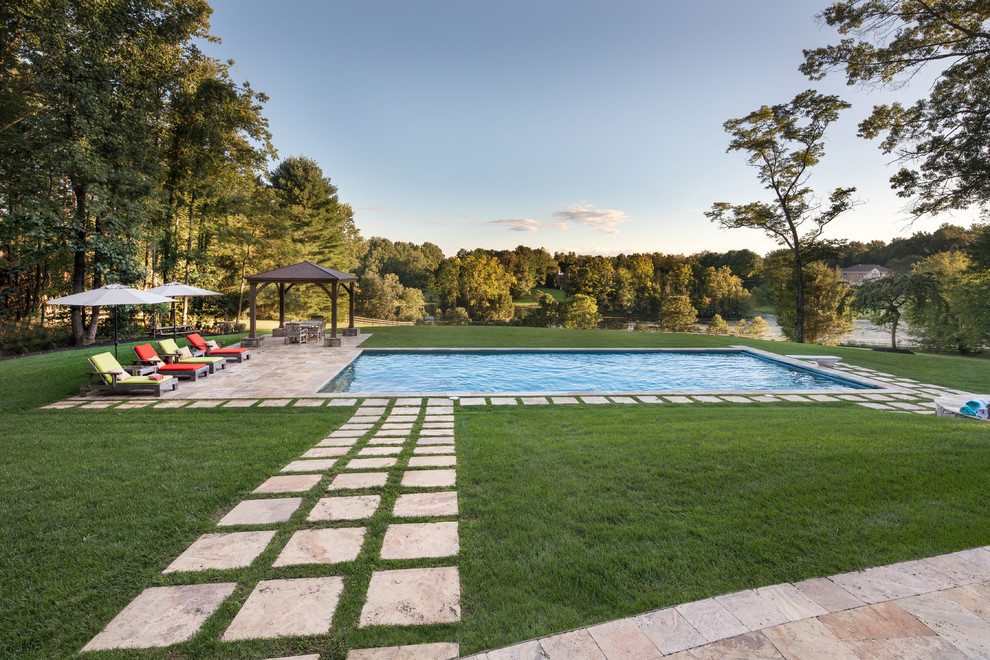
x: 233, y: 354
x: 109, y: 376
x: 170, y: 353
x: 191, y: 370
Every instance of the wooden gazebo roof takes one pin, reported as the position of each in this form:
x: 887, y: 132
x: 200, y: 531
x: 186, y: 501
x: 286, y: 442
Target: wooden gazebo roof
x: 304, y: 272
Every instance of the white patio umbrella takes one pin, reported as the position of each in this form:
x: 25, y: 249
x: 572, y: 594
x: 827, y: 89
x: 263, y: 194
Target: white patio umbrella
x: 179, y: 290
x: 112, y: 295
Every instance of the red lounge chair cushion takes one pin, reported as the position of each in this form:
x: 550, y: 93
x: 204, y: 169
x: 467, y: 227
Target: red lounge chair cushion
x: 182, y: 366
x: 200, y: 344
x: 147, y: 354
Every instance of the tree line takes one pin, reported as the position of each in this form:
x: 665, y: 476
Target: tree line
x: 128, y: 156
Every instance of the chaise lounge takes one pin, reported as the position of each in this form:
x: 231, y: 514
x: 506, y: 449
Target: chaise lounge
x: 233, y: 354
x: 172, y: 353
x: 109, y: 376
x: 148, y: 357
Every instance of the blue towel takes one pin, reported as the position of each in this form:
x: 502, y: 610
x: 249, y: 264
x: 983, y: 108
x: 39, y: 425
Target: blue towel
x: 976, y: 408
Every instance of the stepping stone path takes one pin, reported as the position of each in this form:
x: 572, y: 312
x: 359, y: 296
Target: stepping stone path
x: 404, y: 486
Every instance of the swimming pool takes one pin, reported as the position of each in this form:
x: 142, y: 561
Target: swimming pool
x: 567, y: 371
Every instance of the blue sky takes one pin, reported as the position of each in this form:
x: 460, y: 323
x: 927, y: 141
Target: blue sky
x: 572, y: 125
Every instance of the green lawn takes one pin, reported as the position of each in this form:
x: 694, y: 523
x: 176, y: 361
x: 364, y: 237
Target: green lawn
x: 569, y: 514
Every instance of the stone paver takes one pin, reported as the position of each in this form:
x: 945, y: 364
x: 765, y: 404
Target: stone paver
x: 370, y: 463
x: 535, y: 401
x: 753, y: 611
x: 162, y: 616
x: 669, y: 631
x: 411, y: 597
x: 310, y: 465
x: 438, y: 651
x: 473, y: 401
x: 286, y: 608
x: 221, y: 551
x: 564, y: 400
x: 432, y: 461
x: 623, y: 639
x: 423, y: 505
x: 436, y: 440
x: 240, y: 403
x: 322, y: 546
x: 447, y: 431
x: 574, y: 645
x: 711, y: 619
x: 380, y: 451
x: 295, y: 483
x: 420, y: 540
x: 830, y: 596
x: 388, y: 440
x: 356, y: 480
x: 423, y: 450
x: 594, y: 400
x: 308, y: 403
x: 325, y: 452
x: 262, y: 512
x: 357, y: 507
x: 274, y: 403
x: 337, y: 442
x: 429, y: 478
x: 341, y: 402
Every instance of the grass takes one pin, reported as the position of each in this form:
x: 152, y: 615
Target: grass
x: 573, y: 515
x: 569, y: 514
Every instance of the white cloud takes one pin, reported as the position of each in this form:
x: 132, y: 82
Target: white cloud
x: 604, y: 220
x: 517, y: 224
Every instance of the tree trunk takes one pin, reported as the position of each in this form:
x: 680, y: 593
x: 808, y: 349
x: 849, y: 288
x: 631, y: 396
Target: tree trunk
x: 240, y: 297
x: 799, y: 298
x: 79, y: 265
x: 189, y: 241
x: 893, y: 329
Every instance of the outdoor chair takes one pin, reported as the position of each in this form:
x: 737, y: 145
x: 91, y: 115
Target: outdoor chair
x: 109, y: 376
x: 295, y: 334
x: 233, y: 354
x: 170, y: 352
x: 148, y: 357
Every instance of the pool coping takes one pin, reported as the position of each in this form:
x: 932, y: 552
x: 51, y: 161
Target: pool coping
x: 871, y: 385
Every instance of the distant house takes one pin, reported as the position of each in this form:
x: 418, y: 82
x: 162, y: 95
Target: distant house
x: 856, y: 275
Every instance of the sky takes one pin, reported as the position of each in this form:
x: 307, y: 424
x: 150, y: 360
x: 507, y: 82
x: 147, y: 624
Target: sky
x: 573, y: 125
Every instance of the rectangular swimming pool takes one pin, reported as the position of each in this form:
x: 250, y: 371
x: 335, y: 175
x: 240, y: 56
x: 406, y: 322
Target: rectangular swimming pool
x: 568, y: 371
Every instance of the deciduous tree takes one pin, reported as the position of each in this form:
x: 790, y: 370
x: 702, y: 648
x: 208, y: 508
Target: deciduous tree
x: 783, y: 142
x: 942, y: 140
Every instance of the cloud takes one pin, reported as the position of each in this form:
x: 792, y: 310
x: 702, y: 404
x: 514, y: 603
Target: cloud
x: 517, y: 224
x: 604, y: 220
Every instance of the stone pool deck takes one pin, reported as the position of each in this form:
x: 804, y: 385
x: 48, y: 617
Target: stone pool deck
x: 929, y: 608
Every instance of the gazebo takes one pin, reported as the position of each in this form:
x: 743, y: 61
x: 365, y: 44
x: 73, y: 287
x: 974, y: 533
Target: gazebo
x: 305, y: 272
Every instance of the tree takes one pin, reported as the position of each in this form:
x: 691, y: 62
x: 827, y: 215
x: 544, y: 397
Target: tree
x: 783, y: 143
x: 477, y: 283
x: 948, y: 307
x: 884, y: 299
x: 592, y: 276
x: 941, y: 140
x: 828, y: 314
x: 321, y: 226
x: 580, y: 312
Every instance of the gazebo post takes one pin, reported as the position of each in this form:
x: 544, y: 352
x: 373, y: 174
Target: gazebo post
x: 350, y: 331
x: 281, y: 304
x: 333, y: 340
x: 252, y: 340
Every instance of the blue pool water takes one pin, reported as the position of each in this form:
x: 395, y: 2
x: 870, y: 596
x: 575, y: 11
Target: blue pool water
x: 574, y: 371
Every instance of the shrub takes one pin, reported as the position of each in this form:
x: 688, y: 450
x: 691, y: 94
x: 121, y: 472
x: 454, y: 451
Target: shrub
x: 717, y: 326
x: 18, y: 337
x: 454, y: 316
